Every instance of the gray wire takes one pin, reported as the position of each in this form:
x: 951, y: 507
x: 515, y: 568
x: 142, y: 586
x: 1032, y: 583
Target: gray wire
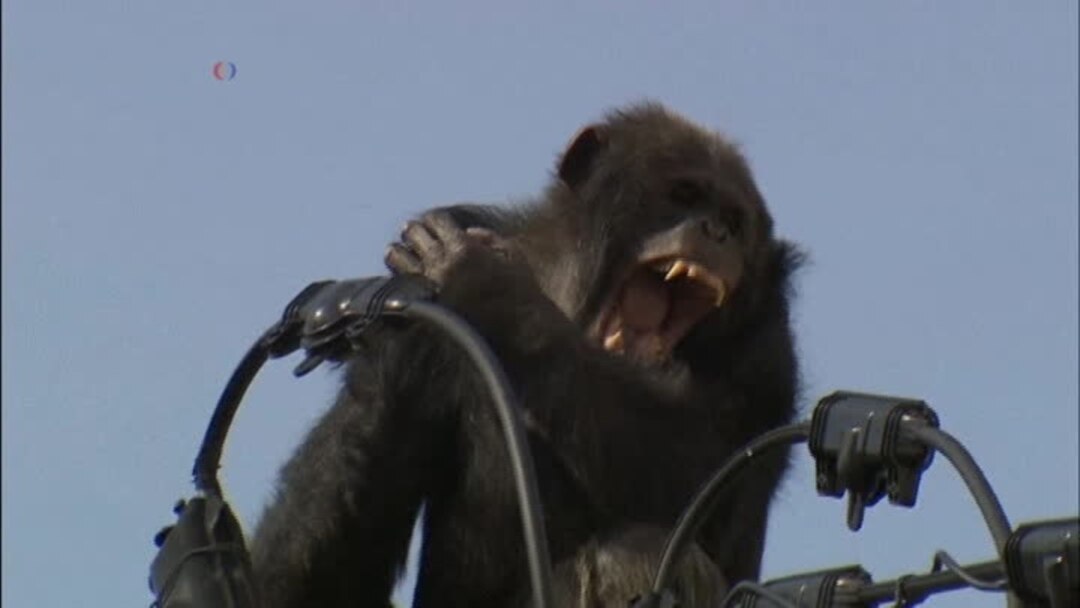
x: 942, y: 558
x: 919, y: 586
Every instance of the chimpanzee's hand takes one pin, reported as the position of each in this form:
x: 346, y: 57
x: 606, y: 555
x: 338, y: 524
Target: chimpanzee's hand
x: 433, y: 244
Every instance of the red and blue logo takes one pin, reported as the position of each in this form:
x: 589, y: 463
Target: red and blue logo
x: 224, y: 70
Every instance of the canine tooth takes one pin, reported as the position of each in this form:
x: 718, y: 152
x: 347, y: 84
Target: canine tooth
x: 721, y: 293
x: 614, y: 341
x: 677, y: 270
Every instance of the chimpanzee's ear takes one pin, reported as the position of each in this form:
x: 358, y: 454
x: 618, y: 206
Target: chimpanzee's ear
x: 577, y: 161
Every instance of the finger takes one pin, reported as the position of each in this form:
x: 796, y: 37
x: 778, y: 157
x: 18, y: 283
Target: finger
x: 401, y: 259
x: 419, y: 238
x: 445, y: 229
x: 488, y: 238
x: 485, y: 236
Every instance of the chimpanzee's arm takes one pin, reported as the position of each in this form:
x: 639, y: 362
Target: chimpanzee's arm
x: 598, y: 411
x: 637, y: 445
x: 337, y: 533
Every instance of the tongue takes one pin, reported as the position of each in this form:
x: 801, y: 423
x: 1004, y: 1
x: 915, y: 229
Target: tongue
x: 644, y: 303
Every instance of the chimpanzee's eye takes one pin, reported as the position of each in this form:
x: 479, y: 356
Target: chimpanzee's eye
x: 733, y: 218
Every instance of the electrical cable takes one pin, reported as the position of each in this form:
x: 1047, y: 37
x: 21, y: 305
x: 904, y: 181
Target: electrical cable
x: 943, y: 559
x: 209, y: 458
x: 697, y: 513
x: 279, y: 340
x: 973, y: 477
x: 520, y: 457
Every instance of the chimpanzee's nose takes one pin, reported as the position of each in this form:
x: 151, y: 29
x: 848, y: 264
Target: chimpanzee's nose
x: 715, y: 230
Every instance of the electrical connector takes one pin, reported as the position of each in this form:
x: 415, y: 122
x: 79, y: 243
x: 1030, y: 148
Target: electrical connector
x: 1042, y: 560
x: 328, y: 318
x: 856, y: 442
x: 833, y: 588
x: 202, y: 560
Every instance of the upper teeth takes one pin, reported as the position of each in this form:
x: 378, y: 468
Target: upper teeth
x: 697, y: 272
x: 615, y: 341
x: 677, y: 269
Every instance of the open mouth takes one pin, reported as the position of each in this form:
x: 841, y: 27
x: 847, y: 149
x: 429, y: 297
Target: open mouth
x: 656, y: 306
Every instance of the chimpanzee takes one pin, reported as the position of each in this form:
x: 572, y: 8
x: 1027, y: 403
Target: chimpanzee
x: 640, y: 307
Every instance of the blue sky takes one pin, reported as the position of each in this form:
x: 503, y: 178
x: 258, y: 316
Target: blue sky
x: 155, y: 220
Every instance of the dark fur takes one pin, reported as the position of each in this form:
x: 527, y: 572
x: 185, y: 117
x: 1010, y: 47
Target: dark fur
x: 620, y: 448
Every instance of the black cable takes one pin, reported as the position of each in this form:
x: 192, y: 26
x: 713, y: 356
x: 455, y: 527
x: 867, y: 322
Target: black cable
x: 752, y: 588
x: 209, y: 458
x: 521, y: 461
x: 979, y: 487
x: 942, y: 558
x: 695, y: 515
x: 973, y: 477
